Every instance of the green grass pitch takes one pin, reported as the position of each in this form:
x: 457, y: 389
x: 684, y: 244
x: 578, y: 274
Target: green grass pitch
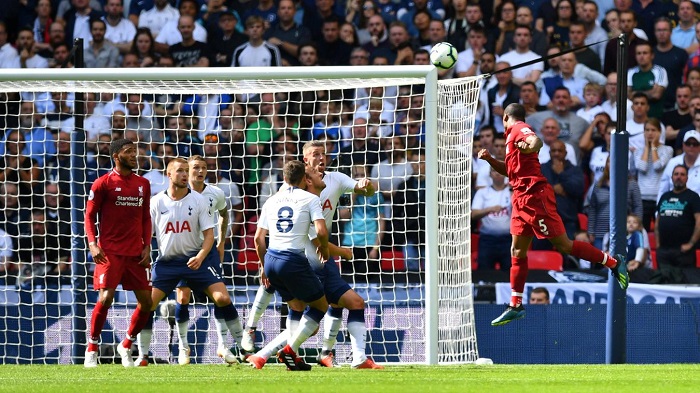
x: 595, y: 378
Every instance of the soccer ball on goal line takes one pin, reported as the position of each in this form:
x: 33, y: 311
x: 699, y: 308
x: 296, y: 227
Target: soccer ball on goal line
x: 443, y: 55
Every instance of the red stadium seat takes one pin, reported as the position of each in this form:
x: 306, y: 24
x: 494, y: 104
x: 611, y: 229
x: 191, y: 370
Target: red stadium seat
x: 248, y: 261
x: 392, y: 261
x: 583, y: 221
x: 474, y: 249
x: 697, y: 258
x: 654, y: 264
x: 652, y: 240
x: 545, y: 260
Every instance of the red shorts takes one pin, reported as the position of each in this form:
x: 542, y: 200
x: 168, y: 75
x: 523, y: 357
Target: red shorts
x: 123, y: 270
x: 535, y: 213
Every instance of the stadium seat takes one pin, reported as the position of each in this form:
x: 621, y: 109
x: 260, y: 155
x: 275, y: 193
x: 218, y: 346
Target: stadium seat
x: 583, y: 221
x: 697, y: 258
x: 474, y: 249
x: 653, y: 260
x: 248, y: 261
x: 652, y: 240
x: 392, y: 261
x: 545, y: 260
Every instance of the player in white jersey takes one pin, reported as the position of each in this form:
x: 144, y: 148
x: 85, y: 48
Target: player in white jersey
x: 185, y: 233
x: 314, y: 185
x: 287, y: 217
x: 337, y: 291
x: 218, y: 212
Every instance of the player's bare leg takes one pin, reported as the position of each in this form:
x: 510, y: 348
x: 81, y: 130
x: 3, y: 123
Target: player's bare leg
x: 617, y: 264
x: 182, y: 319
x: 227, y: 319
x: 518, y: 276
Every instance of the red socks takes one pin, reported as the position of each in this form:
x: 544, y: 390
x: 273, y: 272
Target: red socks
x: 138, y: 321
x: 99, y: 316
x: 588, y: 252
x: 518, y: 276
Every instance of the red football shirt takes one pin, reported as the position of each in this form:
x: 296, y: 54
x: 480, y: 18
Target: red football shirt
x: 523, y: 170
x: 123, y: 203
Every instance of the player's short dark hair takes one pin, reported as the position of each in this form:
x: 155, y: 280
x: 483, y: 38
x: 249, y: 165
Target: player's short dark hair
x: 515, y: 111
x: 293, y: 172
x: 117, y: 145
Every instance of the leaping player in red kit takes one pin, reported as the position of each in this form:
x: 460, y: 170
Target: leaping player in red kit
x: 535, y: 211
x: 122, y: 255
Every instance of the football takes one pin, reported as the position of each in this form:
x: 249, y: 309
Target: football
x: 443, y: 55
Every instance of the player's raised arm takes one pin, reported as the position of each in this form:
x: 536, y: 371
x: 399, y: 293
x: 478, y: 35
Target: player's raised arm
x: 364, y: 187
x: 498, y: 165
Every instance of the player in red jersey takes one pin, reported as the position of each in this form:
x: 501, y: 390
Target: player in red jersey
x: 122, y: 255
x: 535, y: 210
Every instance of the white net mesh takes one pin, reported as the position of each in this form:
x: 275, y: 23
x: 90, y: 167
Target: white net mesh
x: 246, y: 130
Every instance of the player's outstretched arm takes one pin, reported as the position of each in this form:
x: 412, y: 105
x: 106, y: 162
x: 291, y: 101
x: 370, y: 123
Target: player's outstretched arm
x: 498, y: 165
x: 336, y: 251
x: 364, y: 187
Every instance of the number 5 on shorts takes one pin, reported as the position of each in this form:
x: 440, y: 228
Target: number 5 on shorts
x: 543, y: 227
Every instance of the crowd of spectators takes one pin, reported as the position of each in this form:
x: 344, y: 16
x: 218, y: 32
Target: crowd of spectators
x: 378, y: 132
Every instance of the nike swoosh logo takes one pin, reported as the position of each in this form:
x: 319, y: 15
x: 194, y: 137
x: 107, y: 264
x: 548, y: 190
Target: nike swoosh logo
x: 165, y: 212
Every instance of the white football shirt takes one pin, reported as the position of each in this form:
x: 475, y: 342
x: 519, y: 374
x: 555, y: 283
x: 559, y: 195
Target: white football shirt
x: 337, y: 184
x: 179, y: 224
x: 287, y: 216
x: 216, y: 200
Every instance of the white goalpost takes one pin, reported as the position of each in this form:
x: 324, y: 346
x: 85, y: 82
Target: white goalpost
x: 400, y: 126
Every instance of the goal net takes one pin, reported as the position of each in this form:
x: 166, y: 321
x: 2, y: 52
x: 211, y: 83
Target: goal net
x: 395, y: 125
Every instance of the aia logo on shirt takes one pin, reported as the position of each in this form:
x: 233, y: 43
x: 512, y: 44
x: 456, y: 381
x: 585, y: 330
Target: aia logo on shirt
x: 178, y: 227
x: 327, y: 205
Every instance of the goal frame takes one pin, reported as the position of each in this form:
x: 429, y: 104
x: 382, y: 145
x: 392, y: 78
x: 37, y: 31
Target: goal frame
x: 427, y: 72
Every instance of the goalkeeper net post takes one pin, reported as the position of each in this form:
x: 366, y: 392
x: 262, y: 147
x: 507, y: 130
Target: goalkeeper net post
x: 77, y: 199
x: 431, y: 321
x: 431, y: 210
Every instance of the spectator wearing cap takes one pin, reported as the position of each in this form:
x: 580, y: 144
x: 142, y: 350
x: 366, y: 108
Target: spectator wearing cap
x: 222, y: 43
x: 689, y: 158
